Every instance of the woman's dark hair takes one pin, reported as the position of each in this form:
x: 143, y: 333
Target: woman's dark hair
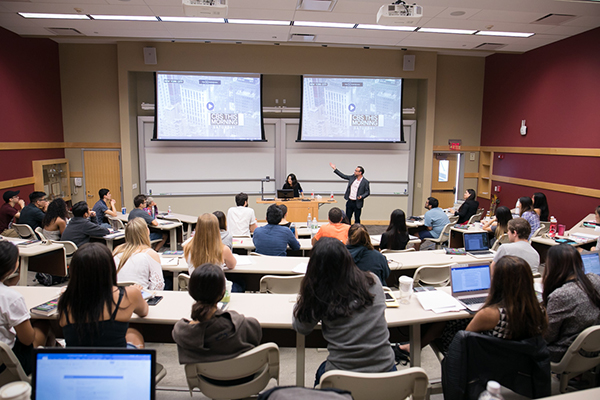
x: 526, y: 204
x: 207, y: 287
x: 9, y: 254
x: 333, y: 286
x: 397, y: 227
x: 358, y: 235
x: 93, y: 276
x: 512, y: 289
x: 294, y: 180
x: 563, y: 263
x: 503, y: 215
x: 58, y: 208
x: 222, y: 220
x: 283, y: 209
x: 472, y: 194
x: 540, y: 201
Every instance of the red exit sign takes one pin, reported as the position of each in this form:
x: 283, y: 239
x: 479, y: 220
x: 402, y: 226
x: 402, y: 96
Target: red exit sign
x: 454, y: 145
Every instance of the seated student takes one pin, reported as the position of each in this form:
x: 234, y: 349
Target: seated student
x: 540, y: 206
x: 33, y: 213
x: 468, y: 208
x: 525, y: 206
x: 292, y: 183
x: 10, y: 210
x: 363, y: 254
x: 105, y: 206
x: 435, y: 221
x: 335, y: 228
x: 213, y: 334
x: 285, y: 222
x: 16, y: 329
x: 273, y: 239
x: 206, y: 246
x: 80, y: 228
x: 241, y: 219
x: 571, y: 298
x: 135, y: 259
x: 151, y: 207
x: 95, y: 312
x: 350, y: 305
x: 55, y: 219
x: 499, y: 224
x: 138, y: 212
x: 597, y: 214
x: 226, y: 236
x: 518, y: 232
x: 396, y: 236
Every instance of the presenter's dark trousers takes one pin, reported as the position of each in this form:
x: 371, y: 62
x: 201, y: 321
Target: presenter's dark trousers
x: 352, y: 209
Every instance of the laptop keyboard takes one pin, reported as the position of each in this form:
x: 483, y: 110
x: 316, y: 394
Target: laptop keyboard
x: 474, y: 300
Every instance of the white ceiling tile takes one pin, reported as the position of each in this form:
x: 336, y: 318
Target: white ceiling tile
x: 587, y: 21
x: 468, y: 12
x: 168, y: 11
x: 567, y: 30
x: 336, y: 39
x: 247, y: 13
x: 517, y: 17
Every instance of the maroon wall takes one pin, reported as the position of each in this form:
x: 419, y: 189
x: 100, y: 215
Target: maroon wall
x: 556, y: 90
x: 30, y: 103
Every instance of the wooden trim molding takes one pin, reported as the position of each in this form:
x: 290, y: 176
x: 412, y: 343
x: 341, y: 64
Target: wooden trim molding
x: 471, y: 174
x: 577, y: 190
x: 89, y: 145
x: 17, y: 182
x: 551, y: 151
x: 462, y: 148
x: 76, y: 174
x: 57, y: 145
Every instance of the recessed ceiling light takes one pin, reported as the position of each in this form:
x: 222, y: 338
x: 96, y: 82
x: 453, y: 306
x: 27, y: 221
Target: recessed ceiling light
x: 53, y: 16
x: 509, y: 34
x: 125, y: 18
x: 192, y: 19
x: 323, y: 24
x: 387, y: 27
x: 257, y: 22
x: 457, y: 13
x: 443, y: 30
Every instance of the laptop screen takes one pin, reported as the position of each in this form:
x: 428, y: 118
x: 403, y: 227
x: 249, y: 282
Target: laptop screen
x: 470, y: 278
x: 78, y: 373
x: 476, y: 241
x: 285, y: 193
x: 591, y: 263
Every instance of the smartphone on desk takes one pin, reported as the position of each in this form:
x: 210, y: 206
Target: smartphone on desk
x: 152, y: 301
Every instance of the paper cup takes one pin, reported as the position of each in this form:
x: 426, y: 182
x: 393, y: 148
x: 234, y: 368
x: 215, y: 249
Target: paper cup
x: 16, y: 391
x: 227, y: 297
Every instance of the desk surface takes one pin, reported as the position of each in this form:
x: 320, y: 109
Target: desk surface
x: 34, y: 249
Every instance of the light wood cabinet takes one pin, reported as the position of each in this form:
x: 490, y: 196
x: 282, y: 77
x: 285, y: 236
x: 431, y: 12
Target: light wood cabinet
x: 53, y: 177
x: 484, y: 182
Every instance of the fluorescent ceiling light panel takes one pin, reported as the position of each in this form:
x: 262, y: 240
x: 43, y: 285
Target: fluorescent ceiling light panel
x: 443, y: 30
x: 53, y: 16
x: 387, y: 27
x: 193, y: 19
x: 124, y: 18
x: 323, y: 24
x: 509, y: 34
x: 258, y: 22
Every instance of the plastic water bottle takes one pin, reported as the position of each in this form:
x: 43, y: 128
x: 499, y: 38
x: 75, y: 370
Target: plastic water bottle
x: 492, y: 392
x: 308, y: 221
x: 169, y: 210
x: 553, y: 227
x: 315, y: 224
x: 331, y: 197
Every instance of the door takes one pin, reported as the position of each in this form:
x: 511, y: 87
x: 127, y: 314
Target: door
x: 443, y: 181
x: 102, y: 169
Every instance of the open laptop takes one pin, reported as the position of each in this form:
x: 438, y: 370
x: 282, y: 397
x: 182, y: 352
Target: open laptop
x: 285, y: 194
x: 591, y: 262
x: 471, y: 284
x: 477, y: 244
x: 93, y: 373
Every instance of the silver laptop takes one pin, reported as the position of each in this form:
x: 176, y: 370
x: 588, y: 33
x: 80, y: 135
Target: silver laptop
x: 477, y: 244
x: 591, y: 262
x: 471, y: 284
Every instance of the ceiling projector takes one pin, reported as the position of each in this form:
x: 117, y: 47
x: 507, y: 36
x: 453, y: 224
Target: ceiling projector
x: 399, y: 14
x: 205, y: 8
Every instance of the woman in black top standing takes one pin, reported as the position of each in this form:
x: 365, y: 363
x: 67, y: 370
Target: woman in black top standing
x: 292, y: 183
x: 468, y: 208
x: 396, y: 236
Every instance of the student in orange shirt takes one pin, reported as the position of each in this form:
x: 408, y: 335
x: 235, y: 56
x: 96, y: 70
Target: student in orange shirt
x: 335, y: 228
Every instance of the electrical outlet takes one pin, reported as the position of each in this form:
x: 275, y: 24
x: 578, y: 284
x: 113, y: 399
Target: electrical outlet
x: 472, y: 156
x: 134, y: 186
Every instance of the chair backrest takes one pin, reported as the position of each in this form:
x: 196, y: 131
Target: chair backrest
x: 432, y: 275
x: 14, y: 371
x: 262, y: 362
x: 183, y: 281
x: 476, y: 217
x: 380, y: 386
x: 281, y: 284
x: 587, y: 342
x: 115, y: 222
x: 545, y: 227
x: 445, y: 234
x: 127, y: 283
x: 24, y: 231
x: 501, y: 240
x: 538, y: 232
x: 453, y: 219
x: 40, y: 234
x: 70, y: 247
x: 398, y: 251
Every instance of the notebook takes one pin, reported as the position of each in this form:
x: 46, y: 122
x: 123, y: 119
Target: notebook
x: 477, y: 244
x: 93, y: 373
x: 591, y: 262
x: 470, y: 284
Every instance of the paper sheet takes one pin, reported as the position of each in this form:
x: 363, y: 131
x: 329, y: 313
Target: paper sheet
x: 300, y: 268
x: 438, y: 301
x: 243, y: 260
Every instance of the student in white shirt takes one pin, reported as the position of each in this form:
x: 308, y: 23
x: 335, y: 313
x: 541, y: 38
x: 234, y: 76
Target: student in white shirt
x: 241, y: 220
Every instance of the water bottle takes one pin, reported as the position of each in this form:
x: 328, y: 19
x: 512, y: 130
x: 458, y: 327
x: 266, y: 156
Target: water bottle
x: 308, y: 221
x: 331, y: 197
x: 169, y: 210
x: 553, y: 227
x: 315, y: 224
x: 492, y: 392
x: 293, y: 228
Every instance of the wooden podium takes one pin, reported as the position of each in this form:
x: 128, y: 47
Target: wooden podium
x: 299, y: 208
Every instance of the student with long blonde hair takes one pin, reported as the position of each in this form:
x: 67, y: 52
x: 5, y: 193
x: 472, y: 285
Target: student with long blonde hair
x: 206, y: 246
x: 136, y: 260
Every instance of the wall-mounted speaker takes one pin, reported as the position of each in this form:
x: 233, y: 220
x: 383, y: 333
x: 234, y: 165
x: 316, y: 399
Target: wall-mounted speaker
x: 150, y: 56
x: 408, y: 63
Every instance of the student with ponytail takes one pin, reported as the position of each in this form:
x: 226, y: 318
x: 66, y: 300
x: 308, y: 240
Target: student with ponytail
x: 212, y: 334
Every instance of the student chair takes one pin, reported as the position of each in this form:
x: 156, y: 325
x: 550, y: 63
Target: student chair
x: 444, y: 236
x: 381, y: 386
x: 281, y: 284
x: 13, y: 372
x: 262, y: 362
x: 70, y: 249
x: 183, y: 281
x: 453, y: 219
x: 397, y: 251
x: 476, y: 217
x: 40, y: 234
x: 432, y: 275
x: 583, y: 355
x: 116, y: 223
x: 24, y: 231
x: 538, y: 232
x: 127, y: 283
x: 501, y: 240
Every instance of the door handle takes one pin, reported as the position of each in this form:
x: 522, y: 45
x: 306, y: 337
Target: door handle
x: 454, y: 190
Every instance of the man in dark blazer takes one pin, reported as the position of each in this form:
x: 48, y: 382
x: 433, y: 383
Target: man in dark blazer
x: 356, y: 192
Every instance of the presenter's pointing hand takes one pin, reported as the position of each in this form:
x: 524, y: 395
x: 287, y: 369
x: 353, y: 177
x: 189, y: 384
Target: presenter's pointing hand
x: 332, y: 165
